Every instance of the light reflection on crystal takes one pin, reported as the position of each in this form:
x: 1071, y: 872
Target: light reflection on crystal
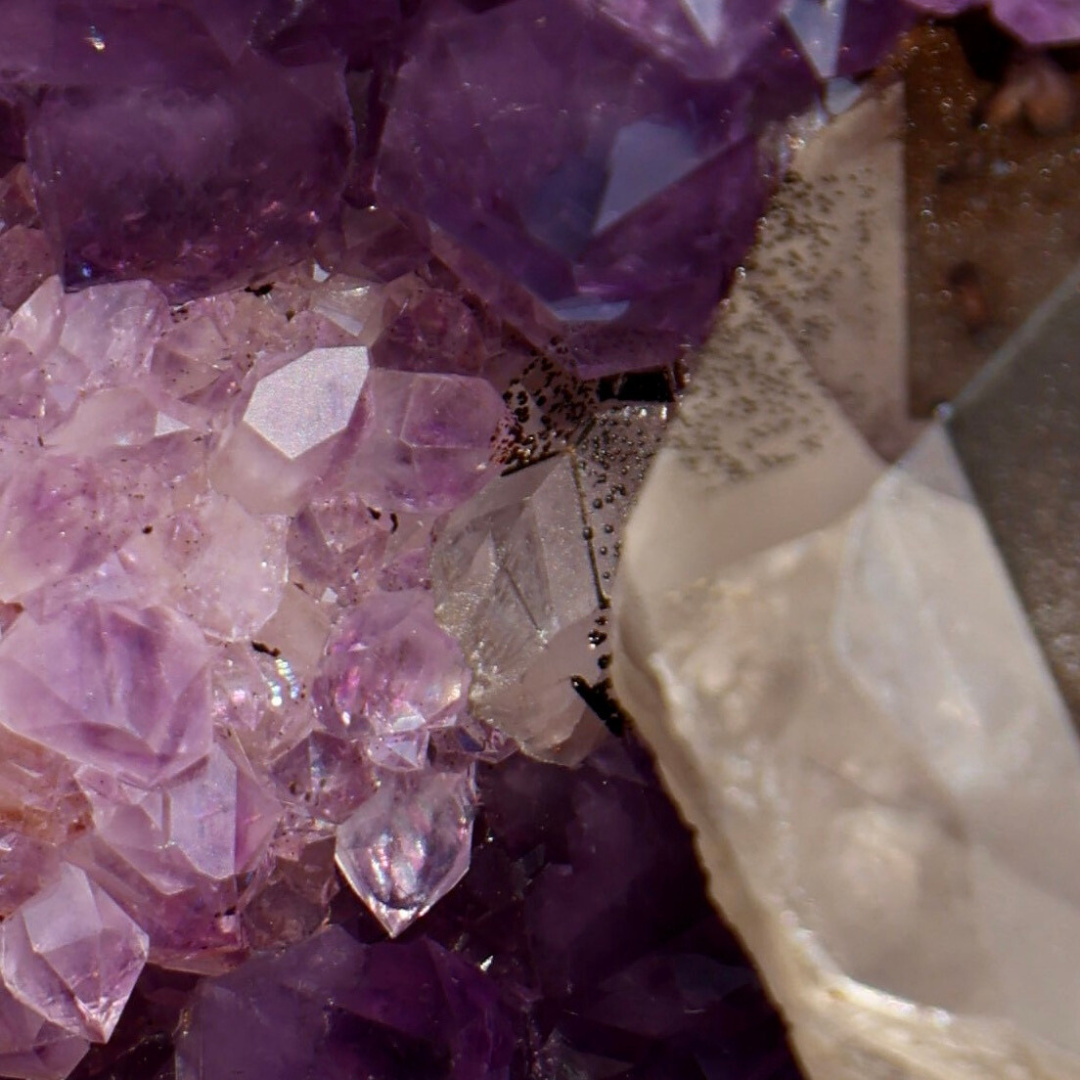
x: 408, y: 845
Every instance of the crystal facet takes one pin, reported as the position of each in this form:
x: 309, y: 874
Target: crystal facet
x: 72, y: 954
x: 408, y: 845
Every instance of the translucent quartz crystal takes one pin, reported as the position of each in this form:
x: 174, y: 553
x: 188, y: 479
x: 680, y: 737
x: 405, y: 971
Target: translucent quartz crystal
x: 515, y: 586
x: 33, y: 1048
x: 121, y: 688
x: 426, y: 441
x: 391, y: 675
x: 309, y: 400
x: 73, y: 955
x: 408, y: 844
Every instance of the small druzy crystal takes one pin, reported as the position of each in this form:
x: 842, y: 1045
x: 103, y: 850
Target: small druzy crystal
x: 408, y: 845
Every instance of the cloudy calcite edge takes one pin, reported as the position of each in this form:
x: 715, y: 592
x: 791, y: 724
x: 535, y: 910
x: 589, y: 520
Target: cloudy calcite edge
x: 844, y: 694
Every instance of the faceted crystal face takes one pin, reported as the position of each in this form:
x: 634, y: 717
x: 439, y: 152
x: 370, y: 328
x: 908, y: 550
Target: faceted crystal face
x: 309, y: 400
x: 118, y: 687
x: 426, y: 440
x: 515, y: 584
x: 33, y: 1048
x: 408, y: 845
x: 390, y: 676
x: 582, y: 229
x: 72, y: 954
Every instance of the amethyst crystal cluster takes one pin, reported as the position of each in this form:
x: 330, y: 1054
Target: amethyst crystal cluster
x: 307, y: 521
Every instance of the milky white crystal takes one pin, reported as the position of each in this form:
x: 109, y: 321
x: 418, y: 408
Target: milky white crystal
x: 851, y: 709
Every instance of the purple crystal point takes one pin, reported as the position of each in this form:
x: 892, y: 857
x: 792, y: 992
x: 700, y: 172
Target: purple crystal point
x: 335, y: 1009
x: 117, y: 687
x: 408, y: 845
x: 72, y: 954
x: 390, y: 676
x: 133, y: 180
x: 622, y: 215
x: 33, y: 1048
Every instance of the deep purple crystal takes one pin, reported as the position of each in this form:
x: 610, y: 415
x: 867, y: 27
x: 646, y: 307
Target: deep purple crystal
x: 333, y: 1009
x: 155, y: 180
x: 609, y: 228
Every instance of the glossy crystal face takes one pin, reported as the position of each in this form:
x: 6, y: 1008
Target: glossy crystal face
x: 371, y: 444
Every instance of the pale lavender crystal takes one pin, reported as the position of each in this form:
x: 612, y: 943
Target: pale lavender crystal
x: 337, y: 542
x: 72, y: 954
x: 391, y: 675
x: 33, y: 1048
x: 327, y: 776
x: 117, y: 687
x: 335, y: 1009
x: 607, y: 231
x: 58, y: 516
x: 435, y: 332
x: 207, y: 825
x: 25, y: 864
x: 426, y: 440
x: 409, y: 844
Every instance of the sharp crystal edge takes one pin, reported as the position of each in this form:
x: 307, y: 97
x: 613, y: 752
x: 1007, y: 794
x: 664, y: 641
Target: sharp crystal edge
x: 849, y: 705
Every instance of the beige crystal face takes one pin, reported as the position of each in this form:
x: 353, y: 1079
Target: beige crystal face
x: 309, y: 400
x: 861, y: 785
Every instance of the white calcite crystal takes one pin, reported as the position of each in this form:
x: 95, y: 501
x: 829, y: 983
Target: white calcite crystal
x: 850, y: 707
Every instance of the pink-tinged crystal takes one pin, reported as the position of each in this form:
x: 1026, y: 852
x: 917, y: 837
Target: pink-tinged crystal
x: 38, y: 793
x: 207, y: 825
x: 229, y: 565
x: 58, y: 516
x: 390, y: 676
x: 409, y: 844
x: 337, y: 542
x: 25, y: 864
x: 112, y: 330
x: 706, y: 38
x: 325, y: 776
x: 71, y: 953
x: 426, y: 442
x: 33, y: 1048
x: 113, y: 686
x: 132, y: 179
x: 331, y: 1007
x: 434, y: 332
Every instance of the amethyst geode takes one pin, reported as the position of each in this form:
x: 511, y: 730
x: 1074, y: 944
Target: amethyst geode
x: 592, y: 169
